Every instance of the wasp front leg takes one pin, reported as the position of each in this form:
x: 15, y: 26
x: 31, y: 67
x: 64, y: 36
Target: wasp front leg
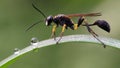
x: 53, y: 32
x: 61, y: 34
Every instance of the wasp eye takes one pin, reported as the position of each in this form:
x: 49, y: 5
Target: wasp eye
x: 103, y: 25
x: 49, y: 20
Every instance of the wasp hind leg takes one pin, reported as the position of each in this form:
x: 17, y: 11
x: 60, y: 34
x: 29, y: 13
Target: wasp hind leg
x: 94, y: 35
x: 61, y: 34
x: 53, y: 32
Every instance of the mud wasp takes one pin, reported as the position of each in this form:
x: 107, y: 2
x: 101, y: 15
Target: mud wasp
x: 66, y: 22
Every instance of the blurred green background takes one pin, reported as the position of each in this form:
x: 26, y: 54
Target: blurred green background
x: 17, y: 15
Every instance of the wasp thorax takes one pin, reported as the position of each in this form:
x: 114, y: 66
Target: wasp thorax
x: 49, y: 20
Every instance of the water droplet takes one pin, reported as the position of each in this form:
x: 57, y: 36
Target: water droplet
x: 16, y: 51
x: 34, y: 40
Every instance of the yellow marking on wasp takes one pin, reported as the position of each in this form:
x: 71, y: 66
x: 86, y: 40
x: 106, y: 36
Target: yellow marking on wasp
x: 63, y: 28
x: 75, y: 26
x: 54, y: 28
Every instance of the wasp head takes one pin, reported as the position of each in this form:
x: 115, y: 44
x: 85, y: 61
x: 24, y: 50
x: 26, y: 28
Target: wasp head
x: 49, y: 20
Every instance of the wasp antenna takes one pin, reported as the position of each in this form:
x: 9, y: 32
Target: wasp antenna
x: 38, y: 10
x: 32, y: 26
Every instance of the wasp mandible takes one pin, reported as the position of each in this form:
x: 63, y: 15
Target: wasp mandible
x: 66, y: 22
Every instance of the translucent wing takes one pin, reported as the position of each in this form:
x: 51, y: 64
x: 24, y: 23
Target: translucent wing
x: 89, y: 14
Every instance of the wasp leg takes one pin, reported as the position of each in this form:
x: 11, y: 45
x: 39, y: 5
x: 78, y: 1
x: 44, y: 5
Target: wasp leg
x: 75, y: 26
x: 80, y: 21
x: 87, y: 25
x: 61, y: 34
x: 53, y: 32
x: 95, y: 35
x: 89, y: 29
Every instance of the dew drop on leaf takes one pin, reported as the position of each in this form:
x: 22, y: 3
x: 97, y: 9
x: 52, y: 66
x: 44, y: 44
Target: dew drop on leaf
x: 16, y: 51
x: 34, y: 40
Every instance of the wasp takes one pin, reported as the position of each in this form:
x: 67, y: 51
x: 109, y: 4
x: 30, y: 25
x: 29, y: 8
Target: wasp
x: 66, y: 22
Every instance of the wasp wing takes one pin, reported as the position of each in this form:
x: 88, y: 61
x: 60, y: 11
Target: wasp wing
x: 89, y: 14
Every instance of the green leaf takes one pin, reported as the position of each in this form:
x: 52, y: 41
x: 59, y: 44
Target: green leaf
x: 71, y: 38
